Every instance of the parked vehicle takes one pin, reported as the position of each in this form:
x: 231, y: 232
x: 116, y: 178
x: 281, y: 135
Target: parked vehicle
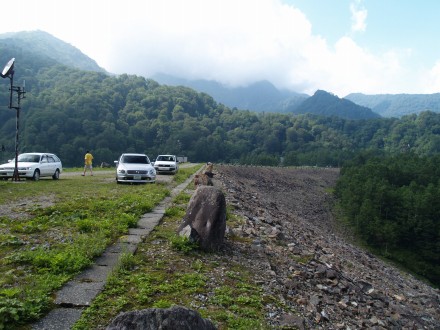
x: 33, y: 165
x: 134, y: 168
x: 166, y: 164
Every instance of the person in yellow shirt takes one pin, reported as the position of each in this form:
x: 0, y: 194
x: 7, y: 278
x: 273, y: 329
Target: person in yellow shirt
x: 88, y: 158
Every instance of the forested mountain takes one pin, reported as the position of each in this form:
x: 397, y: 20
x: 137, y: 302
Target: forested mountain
x: 47, y: 46
x: 326, y: 104
x: 398, y: 105
x: 259, y: 97
x: 265, y: 97
x: 67, y: 111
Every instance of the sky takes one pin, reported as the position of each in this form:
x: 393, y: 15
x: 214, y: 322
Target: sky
x: 341, y: 46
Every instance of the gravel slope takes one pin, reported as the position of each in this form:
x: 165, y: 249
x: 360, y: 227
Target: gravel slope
x: 298, y: 255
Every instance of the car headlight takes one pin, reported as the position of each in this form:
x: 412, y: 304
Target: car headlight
x: 121, y: 171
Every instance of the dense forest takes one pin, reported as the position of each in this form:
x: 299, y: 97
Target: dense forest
x: 67, y: 111
x: 392, y: 203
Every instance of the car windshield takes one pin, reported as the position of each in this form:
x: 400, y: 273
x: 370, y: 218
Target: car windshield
x: 29, y: 158
x: 166, y: 158
x: 131, y: 159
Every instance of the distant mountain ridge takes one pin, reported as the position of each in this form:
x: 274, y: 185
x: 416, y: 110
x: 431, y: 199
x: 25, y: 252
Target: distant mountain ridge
x: 264, y: 97
x: 326, y: 104
x: 397, y: 105
x: 261, y: 96
x: 44, y: 44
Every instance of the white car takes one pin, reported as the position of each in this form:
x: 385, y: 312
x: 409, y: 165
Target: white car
x: 166, y: 164
x: 134, y: 168
x: 33, y: 165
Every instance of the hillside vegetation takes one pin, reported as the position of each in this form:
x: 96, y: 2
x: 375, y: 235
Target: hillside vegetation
x: 391, y: 202
x: 67, y: 111
x: 397, y: 105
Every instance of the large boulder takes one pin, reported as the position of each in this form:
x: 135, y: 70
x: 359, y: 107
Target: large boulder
x: 205, y: 219
x: 174, y: 318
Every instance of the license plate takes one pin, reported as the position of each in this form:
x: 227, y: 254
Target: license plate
x: 137, y: 177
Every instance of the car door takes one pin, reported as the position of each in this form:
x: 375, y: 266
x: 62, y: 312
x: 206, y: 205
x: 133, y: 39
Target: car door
x: 52, y: 165
x: 44, y: 166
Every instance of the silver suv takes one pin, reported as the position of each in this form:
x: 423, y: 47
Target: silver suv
x: 166, y: 164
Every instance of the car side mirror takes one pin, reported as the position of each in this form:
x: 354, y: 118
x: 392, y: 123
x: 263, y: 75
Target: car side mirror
x: 116, y: 162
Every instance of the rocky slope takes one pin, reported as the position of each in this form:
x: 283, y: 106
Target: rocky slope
x: 303, y: 259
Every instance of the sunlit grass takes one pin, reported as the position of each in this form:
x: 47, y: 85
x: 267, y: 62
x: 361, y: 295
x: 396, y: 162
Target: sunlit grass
x: 170, y: 270
x: 183, y: 173
x: 72, y: 220
x: 63, y: 225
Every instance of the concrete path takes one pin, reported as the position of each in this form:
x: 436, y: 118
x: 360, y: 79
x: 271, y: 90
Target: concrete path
x: 79, y: 293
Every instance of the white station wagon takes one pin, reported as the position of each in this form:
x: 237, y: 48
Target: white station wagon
x: 33, y: 165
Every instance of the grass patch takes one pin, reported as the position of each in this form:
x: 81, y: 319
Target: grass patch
x: 54, y: 229
x: 183, y: 244
x: 183, y: 173
x: 170, y: 271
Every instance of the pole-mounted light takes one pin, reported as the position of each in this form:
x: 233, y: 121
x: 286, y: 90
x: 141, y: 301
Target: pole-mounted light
x: 8, y: 72
x: 9, y: 68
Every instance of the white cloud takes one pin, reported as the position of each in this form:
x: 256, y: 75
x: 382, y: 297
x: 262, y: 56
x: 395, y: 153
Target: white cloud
x: 431, y: 80
x: 234, y: 42
x: 358, y: 16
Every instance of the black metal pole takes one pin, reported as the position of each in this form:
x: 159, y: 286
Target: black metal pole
x: 20, y: 94
x: 16, y: 176
x: 11, y: 80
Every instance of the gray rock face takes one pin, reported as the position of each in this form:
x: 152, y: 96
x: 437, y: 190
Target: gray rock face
x: 174, y: 318
x: 206, y: 217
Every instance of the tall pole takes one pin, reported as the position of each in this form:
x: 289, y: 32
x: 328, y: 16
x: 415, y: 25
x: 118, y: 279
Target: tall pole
x: 8, y: 72
x: 20, y: 95
x: 15, y: 177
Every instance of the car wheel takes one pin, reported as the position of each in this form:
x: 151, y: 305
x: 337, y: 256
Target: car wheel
x: 36, y: 176
x: 56, y: 175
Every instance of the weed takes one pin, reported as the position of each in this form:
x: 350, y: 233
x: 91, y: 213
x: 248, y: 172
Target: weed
x: 127, y: 262
x: 183, y: 243
x: 161, y: 303
x: 182, y: 199
x: 303, y: 259
x: 184, y: 173
x: 175, y: 212
x: 197, y: 265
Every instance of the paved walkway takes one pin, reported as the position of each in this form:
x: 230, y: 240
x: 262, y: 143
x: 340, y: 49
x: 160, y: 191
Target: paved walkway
x: 78, y: 294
